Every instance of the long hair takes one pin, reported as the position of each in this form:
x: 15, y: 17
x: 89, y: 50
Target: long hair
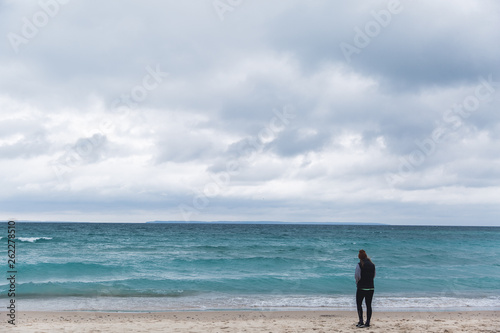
x: 362, y: 257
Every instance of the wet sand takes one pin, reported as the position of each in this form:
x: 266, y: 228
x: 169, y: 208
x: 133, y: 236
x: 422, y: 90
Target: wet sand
x: 253, y: 321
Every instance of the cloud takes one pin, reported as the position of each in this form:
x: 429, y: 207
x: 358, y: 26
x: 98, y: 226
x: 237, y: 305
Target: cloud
x: 405, y: 130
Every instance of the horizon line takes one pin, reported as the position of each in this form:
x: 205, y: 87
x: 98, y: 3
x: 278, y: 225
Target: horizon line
x: 248, y: 222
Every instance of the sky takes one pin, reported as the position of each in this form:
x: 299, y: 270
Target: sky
x: 238, y: 110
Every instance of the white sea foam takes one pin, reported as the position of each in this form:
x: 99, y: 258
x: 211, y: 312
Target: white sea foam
x: 33, y: 239
x: 259, y: 302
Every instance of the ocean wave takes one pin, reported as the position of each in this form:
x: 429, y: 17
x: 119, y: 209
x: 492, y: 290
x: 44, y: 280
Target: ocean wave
x: 33, y: 239
x: 210, y: 301
x: 179, y: 286
x: 118, y: 288
x: 71, y: 271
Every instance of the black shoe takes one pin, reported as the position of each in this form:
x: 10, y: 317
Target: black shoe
x: 360, y: 325
x: 367, y: 324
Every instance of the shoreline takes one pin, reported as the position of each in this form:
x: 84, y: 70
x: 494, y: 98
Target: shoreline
x: 252, y: 321
x: 266, y: 310
x: 221, y: 302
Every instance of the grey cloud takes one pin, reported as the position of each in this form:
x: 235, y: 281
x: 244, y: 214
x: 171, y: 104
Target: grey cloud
x: 24, y: 139
x: 30, y: 146
x: 86, y: 150
x: 183, y: 148
x: 224, y: 80
x: 292, y: 142
x: 419, y: 48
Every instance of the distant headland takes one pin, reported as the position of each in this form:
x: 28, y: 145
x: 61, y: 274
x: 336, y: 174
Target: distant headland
x: 269, y: 222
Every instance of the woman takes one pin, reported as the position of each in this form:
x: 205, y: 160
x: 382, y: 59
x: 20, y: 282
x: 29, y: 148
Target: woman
x: 364, y: 275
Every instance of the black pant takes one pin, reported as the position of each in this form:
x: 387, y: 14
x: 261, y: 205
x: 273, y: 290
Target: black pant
x: 368, y: 296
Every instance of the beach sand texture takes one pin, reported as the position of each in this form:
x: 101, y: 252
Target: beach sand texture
x: 253, y: 321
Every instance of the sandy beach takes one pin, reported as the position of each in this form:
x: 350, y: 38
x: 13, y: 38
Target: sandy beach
x: 253, y: 321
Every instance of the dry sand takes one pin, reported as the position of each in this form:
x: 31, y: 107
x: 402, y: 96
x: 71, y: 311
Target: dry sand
x: 252, y: 321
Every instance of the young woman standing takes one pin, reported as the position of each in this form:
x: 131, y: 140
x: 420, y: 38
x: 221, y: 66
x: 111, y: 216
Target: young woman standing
x: 364, y: 275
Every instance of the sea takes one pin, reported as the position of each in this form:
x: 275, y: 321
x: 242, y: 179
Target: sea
x: 137, y: 267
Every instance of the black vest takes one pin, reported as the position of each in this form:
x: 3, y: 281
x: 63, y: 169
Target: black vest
x: 367, y: 275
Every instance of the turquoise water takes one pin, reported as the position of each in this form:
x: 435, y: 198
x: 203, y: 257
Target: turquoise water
x: 141, y: 267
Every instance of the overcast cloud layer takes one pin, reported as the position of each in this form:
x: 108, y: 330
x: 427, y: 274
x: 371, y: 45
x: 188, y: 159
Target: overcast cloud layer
x: 379, y: 111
